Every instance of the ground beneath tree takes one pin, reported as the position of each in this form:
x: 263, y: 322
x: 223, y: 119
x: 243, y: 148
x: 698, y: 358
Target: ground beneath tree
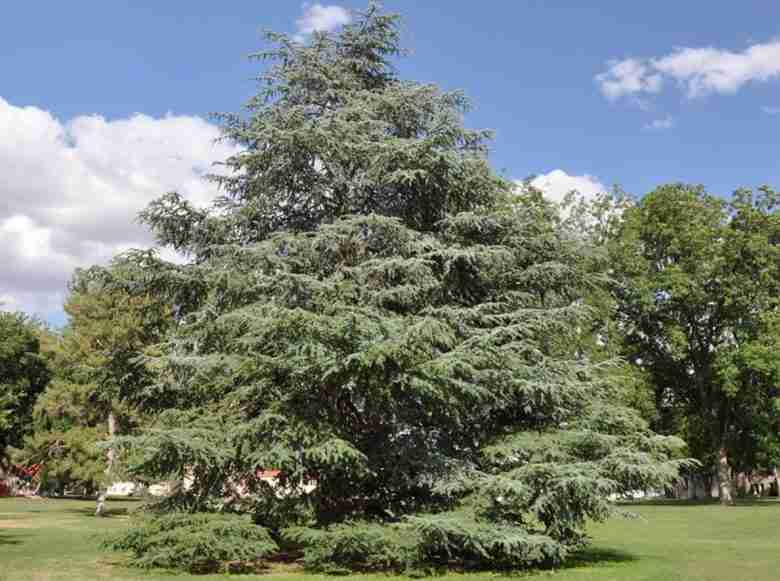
x: 57, y: 540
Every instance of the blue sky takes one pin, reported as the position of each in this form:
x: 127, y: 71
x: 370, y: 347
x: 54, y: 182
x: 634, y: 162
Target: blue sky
x: 636, y: 94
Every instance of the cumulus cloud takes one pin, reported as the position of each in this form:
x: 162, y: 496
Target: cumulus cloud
x: 321, y: 18
x: 696, y: 71
x: 628, y: 77
x: 70, y: 192
x: 556, y: 184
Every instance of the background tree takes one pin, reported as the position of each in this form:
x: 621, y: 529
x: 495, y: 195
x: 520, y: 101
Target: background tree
x: 594, y: 222
x: 24, y: 374
x: 99, y: 372
x: 370, y: 307
x: 697, y: 284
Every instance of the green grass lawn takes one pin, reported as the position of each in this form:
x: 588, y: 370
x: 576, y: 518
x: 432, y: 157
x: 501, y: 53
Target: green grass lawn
x: 57, y: 540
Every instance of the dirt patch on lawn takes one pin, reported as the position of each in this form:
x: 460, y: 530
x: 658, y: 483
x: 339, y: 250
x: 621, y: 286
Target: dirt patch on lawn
x: 16, y: 524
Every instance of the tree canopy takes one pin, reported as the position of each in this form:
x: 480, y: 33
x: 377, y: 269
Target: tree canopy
x: 97, y: 375
x: 24, y: 374
x: 369, y: 307
x: 698, y: 282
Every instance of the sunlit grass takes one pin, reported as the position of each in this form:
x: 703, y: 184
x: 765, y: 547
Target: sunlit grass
x: 58, y: 540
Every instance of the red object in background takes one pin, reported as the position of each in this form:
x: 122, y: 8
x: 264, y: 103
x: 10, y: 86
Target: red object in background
x: 268, y: 473
x: 28, y: 471
x: 25, y: 476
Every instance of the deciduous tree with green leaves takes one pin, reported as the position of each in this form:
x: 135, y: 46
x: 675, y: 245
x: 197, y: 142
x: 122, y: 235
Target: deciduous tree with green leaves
x: 98, y: 374
x: 698, y: 283
x: 24, y: 374
x: 371, y: 309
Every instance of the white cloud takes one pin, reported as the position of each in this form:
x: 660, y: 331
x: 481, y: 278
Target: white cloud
x: 628, y: 77
x: 697, y: 71
x: 708, y: 70
x: 69, y: 192
x: 8, y: 303
x: 321, y: 18
x: 556, y: 184
x: 661, y: 124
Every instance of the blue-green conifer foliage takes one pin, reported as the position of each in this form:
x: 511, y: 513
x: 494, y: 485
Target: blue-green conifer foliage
x: 372, y: 310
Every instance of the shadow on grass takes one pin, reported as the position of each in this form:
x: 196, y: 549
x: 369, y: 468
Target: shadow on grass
x: 90, y: 511
x: 756, y: 503
x: 595, y: 556
x: 7, y: 538
x: 114, y: 499
x: 669, y: 502
x: 740, y: 502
